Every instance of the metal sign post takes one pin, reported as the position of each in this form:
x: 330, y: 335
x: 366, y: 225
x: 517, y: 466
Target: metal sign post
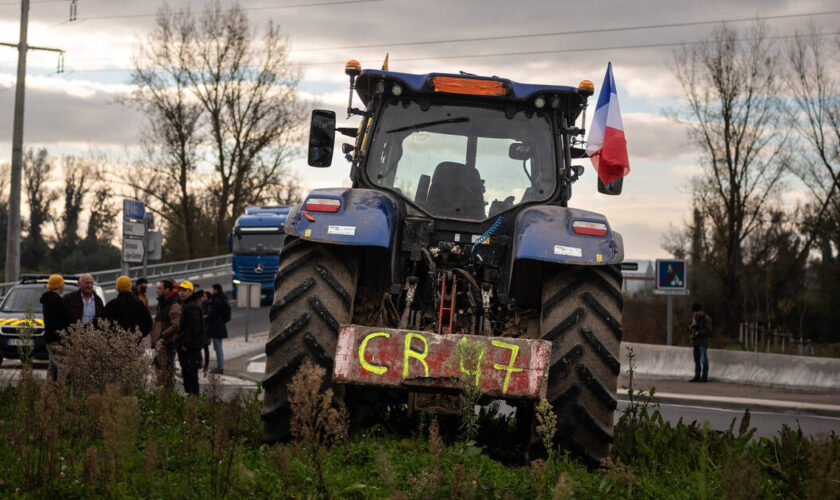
x: 670, y: 281
x: 248, y: 297
x: 134, y: 233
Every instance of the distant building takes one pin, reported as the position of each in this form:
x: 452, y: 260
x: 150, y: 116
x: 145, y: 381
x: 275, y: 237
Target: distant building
x: 639, y: 275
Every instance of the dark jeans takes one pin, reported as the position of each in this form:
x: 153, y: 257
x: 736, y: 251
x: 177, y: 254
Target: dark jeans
x: 220, y: 355
x: 190, y: 362
x: 701, y: 358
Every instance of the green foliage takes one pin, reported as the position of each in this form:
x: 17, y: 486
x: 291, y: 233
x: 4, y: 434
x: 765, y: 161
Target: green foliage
x: 162, y: 445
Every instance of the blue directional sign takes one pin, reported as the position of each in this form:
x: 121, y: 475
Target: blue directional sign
x: 670, y: 274
x: 133, y: 209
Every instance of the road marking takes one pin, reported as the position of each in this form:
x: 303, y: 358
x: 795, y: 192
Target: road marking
x: 796, y: 405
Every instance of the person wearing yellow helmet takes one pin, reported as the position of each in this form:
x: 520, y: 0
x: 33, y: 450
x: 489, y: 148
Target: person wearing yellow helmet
x: 191, y: 342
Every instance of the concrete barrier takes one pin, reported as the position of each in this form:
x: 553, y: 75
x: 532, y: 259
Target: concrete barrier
x: 773, y: 370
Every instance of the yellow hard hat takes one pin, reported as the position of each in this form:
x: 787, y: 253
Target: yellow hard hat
x: 186, y: 285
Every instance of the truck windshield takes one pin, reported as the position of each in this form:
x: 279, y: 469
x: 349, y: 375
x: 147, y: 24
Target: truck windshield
x: 258, y: 243
x: 463, y: 162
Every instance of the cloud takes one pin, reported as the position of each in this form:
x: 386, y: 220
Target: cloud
x: 652, y: 137
x: 687, y: 170
x: 64, y: 112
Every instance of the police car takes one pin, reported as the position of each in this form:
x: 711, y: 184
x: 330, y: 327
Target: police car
x: 22, y: 300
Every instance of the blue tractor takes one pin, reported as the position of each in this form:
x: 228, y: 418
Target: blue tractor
x: 456, y: 231
x: 256, y: 241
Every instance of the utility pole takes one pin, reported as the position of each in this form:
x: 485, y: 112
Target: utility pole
x: 13, y: 238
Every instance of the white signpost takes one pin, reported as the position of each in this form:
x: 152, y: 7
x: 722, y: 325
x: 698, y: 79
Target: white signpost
x: 133, y: 250
x: 140, y: 244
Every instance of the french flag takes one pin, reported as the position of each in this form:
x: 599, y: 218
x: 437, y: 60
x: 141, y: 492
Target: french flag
x: 606, y: 146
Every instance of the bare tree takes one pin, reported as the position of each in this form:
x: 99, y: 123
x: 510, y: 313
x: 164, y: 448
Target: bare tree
x: 732, y: 113
x: 77, y: 174
x: 813, y: 84
x: 171, y: 135
x: 222, y: 101
x: 37, y: 168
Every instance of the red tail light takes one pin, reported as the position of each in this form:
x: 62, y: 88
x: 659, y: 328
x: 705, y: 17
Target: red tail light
x: 323, y: 205
x: 589, y: 228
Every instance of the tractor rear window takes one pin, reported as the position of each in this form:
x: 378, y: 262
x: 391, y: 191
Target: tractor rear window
x: 463, y: 162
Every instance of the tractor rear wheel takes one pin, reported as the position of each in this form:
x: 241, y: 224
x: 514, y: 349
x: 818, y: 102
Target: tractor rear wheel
x: 581, y: 316
x: 313, y: 294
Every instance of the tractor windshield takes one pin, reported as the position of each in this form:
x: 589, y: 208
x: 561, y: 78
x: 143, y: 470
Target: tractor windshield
x: 463, y: 162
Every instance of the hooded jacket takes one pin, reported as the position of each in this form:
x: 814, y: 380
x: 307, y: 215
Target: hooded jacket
x: 167, y: 320
x: 126, y: 310
x: 192, y: 324
x: 57, y: 316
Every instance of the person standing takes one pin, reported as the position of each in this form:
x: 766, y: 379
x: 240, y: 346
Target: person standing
x: 701, y: 331
x: 218, y: 314
x: 127, y: 311
x: 83, y: 303
x: 57, y: 317
x: 167, y: 322
x: 191, y: 339
x: 139, y: 290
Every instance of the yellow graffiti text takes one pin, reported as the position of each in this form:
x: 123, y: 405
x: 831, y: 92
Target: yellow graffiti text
x: 410, y: 353
x: 509, y: 368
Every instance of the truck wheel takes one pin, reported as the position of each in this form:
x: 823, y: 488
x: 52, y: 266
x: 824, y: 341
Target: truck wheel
x: 313, y: 294
x: 581, y: 316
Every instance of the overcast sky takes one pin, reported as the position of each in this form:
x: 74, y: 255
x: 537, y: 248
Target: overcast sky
x: 76, y: 110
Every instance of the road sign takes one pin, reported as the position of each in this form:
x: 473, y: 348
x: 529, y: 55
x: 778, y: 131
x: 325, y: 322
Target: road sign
x: 670, y: 274
x: 133, y: 209
x: 155, y: 249
x: 133, y: 250
x: 133, y: 229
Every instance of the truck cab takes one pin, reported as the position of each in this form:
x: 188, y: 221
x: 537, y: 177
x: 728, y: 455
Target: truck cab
x: 256, y: 241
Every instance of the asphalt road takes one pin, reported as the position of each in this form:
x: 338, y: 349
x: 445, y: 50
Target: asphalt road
x: 767, y: 423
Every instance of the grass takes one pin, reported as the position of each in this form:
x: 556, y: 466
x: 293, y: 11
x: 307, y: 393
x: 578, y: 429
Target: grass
x: 123, y: 441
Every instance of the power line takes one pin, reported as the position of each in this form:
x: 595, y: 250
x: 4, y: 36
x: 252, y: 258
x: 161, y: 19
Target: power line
x: 495, y: 54
x: 553, y: 51
x: 262, y: 8
x: 573, y: 32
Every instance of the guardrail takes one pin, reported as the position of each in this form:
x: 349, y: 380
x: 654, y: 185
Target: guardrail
x: 109, y: 277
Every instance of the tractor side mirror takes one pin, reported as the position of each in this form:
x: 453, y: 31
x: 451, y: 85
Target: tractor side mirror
x: 612, y: 189
x: 230, y: 242
x: 321, y: 138
x: 519, y: 151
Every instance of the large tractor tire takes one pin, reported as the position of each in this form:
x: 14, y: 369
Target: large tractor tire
x: 313, y: 294
x: 581, y: 316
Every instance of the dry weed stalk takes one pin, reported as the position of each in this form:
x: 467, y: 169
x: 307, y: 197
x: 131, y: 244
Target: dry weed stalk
x: 621, y: 473
x: 315, y: 422
x: 118, y: 418
x: 824, y: 464
x: 96, y: 356
x: 564, y: 488
x: 546, y: 426
x: 436, y: 446
x: 385, y: 469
